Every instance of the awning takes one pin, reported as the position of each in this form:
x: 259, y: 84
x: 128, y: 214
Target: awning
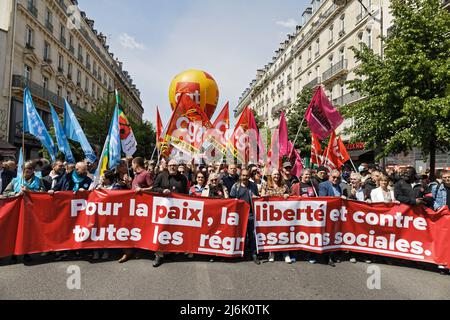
x: 355, y: 154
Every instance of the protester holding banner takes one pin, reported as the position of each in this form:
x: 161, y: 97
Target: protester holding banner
x: 230, y: 177
x: 54, y: 177
x: 168, y: 182
x: 371, y: 183
x: 383, y: 193
x: 331, y: 188
x: 356, y: 191
x: 287, y: 175
x: 76, y: 180
x: 143, y: 180
x: 215, y: 189
x: 199, y: 186
x: 320, y: 176
x: 304, y: 188
x: 405, y: 191
x: 441, y: 192
x: 29, y: 182
x: 122, y: 176
x: 246, y: 190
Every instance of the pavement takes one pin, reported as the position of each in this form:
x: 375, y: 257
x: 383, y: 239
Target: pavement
x: 198, y: 279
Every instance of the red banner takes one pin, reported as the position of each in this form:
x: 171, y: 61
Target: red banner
x: 120, y: 219
x: 38, y: 223
x: 332, y: 224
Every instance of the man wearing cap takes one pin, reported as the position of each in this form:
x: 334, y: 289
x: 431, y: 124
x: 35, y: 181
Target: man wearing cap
x: 321, y: 176
x: 288, y: 177
x: 168, y: 182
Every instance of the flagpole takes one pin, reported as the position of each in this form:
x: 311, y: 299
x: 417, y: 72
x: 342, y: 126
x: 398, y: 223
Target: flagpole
x: 296, y: 137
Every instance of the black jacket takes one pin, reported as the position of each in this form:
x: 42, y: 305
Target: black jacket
x: 67, y: 184
x: 405, y: 193
x: 47, y: 181
x: 228, y: 181
x: 176, y: 184
x: 369, y: 185
x: 7, y: 176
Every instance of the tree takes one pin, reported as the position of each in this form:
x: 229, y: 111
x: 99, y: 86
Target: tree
x: 146, y: 138
x: 295, y: 116
x: 407, y: 103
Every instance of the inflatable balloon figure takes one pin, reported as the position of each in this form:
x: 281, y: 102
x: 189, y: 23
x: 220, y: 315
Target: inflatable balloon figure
x: 200, y: 86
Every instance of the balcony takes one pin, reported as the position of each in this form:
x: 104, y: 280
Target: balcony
x: 62, y: 5
x: 49, y: 26
x: 341, y: 33
x: 20, y: 82
x: 283, y: 105
x: 347, y: 99
x: 48, y: 60
x: 313, y: 83
x: 336, y: 71
x: 62, y: 39
x: 33, y: 10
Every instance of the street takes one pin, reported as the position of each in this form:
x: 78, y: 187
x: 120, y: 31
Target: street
x: 200, y: 279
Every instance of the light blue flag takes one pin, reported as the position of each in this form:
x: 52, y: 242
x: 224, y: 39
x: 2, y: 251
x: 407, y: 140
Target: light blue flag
x: 63, y: 143
x: 115, y: 147
x: 74, y: 132
x: 20, y: 165
x: 33, y: 124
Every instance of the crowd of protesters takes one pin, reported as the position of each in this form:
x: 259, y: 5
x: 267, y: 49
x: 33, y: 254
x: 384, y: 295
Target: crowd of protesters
x: 370, y: 184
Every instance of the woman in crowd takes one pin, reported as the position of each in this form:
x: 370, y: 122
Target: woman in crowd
x: 383, y: 193
x: 277, y: 187
x: 215, y: 189
x: 256, y: 178
x: 199, y: 186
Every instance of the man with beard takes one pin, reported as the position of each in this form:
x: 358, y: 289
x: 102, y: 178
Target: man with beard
x: 247, y: 190
x: 75, y: 181
x: 54, y: 177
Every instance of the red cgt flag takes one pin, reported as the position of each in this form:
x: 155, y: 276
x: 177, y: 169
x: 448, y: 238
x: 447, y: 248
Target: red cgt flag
x: 187, y: 126
x: 221, y: 127
x: 336, y: 154
x: 316, y: 150
x: 321, y: 116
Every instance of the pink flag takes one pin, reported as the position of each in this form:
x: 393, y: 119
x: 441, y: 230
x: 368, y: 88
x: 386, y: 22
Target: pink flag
x: 252, y: 125
x: 321, y: 116
x: 296, y: 159
x: 283, y: 136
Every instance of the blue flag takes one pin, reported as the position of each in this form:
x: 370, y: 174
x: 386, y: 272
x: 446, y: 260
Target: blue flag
x: 115, y: 148
x: 63, y: 143
x: 33, y: 124
x: 74, y: 132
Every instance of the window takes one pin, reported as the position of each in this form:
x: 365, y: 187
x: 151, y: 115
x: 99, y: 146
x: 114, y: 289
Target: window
x: 46, y: 51
x: 62, y: 33
x: 317, y: 47
x: 60, y: 62
x: 331, y: 34
x: 86, y: 85
x: 69, y: 70
x: 330, y: 60
x: 360, y: 40
x: 88, y: 61
x: 48, y: 20
x: 369, y: 38
x: 45, y: 83
x: 29, y: 37
x: 27, y: 72
x: 93, y: 89
x: 79, y: 77
x: 71, y: 40
x: 309, y: 53
x: 342, y: 53
x: 318, y: 71
x: 59, y: 91
x: 342, y: 29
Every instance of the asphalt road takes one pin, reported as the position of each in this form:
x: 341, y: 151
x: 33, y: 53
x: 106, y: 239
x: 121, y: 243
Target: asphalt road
x: 184, y: 279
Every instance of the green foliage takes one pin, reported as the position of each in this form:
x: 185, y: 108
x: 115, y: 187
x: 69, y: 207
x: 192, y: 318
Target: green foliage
x: 145, y: 136
x: 408, y: 103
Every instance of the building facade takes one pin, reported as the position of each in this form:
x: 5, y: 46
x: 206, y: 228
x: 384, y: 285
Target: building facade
x: 319, y: 53
x: 52, y: 48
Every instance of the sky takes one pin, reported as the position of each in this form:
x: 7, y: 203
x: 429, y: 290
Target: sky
x: 156, y: 40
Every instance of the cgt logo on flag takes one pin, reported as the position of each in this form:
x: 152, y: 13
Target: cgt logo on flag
x: 192, y: 89
x: 177, y: 212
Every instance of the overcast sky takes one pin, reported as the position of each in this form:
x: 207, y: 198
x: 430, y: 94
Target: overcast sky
x: 156, y: 40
